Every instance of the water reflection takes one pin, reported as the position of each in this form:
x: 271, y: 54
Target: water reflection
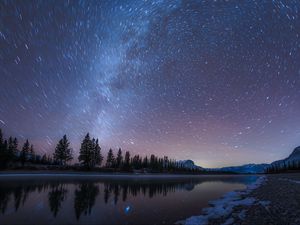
x: 85, y: 194
x: 85, y: 197
x: 56, y: 196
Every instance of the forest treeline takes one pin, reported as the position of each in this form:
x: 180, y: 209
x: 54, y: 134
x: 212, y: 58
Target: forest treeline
x: 289, y: 166
x: 90, y: 157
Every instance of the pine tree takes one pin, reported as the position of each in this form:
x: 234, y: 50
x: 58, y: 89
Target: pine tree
x: 86, y: 152
x: 15, y: 147
x: 3, y: 151
x: 152, y: 161
x: 63, y: 152
x: 25, y: 152
x: 98, y: 158
x: 136, y: 162
x: 166, y: 162
x: 10, y: 154
x: 110, y: 161
x: 32, y: 154
x: 119, y: 159
x: 127, y: 160
x: 145, y: 162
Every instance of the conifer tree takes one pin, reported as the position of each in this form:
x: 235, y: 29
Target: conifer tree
x: 86, y: 152
x: 3, y: 151
x: 119, y: 159
x: 32, y: 153
x: 110, y: 161
x: 15, y: 147
x: 145, y: 162
x: 152, y: 161
x: 63, y: 152
x: 10, y: 153
x: 98, y: 158
x: 127, y: 160
x: 25, y: 152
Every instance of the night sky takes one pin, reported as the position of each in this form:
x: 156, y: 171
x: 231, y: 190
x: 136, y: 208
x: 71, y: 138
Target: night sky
x: 217, y: 82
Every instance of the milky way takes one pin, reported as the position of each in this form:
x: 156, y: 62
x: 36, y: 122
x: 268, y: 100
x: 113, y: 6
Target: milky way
x: 217, y: 82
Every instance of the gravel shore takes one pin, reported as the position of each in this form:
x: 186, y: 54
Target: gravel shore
x: 277, y: 202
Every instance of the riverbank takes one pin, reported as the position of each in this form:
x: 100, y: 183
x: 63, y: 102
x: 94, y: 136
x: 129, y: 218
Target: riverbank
x: 273, y: 199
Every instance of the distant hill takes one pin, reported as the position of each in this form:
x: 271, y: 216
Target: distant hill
x: 189, y: 164
x: 292, y: 161
x: 247, y: 168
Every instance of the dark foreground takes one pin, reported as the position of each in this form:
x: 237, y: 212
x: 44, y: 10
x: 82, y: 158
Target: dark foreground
x: 281, y: 194
x: 277, y: 202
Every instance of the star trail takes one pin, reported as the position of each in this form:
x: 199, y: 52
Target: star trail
x: 217, y: 82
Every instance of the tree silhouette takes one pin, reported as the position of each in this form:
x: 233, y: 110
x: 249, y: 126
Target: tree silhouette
x: 98, y: 158
x: 90, y: 156
x: 25, y: 152
x: 127, y: 160
x: 86, y: 152
x: 3, y: 151
x: 32, y: 154
x: 12, y: 149
x: 136, y: 162
x: 145, y: 162
x: 63, y: 152
x: 110, y: 161
x: 119, y: 159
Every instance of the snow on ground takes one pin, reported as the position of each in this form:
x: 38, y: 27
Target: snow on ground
x: 223, y: 207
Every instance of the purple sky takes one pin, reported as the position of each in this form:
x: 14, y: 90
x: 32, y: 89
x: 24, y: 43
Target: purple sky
x: 212, y: 81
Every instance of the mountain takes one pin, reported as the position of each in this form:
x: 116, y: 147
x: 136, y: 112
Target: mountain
x: 247, y: 168
x: 294, y: 157
x: 189, y: 164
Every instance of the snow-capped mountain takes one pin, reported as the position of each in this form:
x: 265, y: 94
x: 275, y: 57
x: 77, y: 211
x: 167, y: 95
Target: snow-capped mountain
x: 248, y: 168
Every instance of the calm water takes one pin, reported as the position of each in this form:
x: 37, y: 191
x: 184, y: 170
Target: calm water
x: 119, y: 200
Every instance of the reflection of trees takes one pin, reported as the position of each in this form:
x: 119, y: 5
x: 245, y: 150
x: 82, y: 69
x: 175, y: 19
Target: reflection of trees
x: 18, y: 195
x: 133, y: 188
x: 85, y: 198
x: 56, y: 196
x: 106, y: 193
x: 124, y: 192
x: 18, y: 192
x: 116, y: 193
x: 85, y: 194
x: 4, y: 199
